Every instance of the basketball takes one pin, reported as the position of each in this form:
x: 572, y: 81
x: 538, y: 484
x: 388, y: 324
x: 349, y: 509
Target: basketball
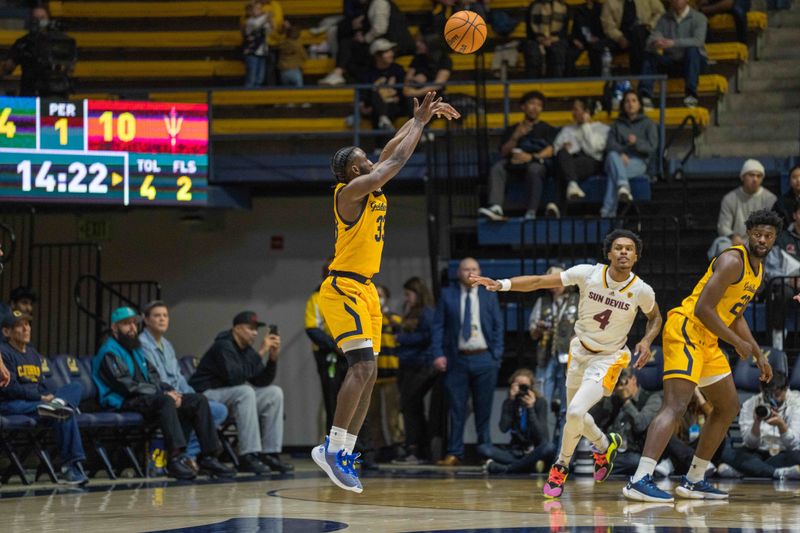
x: 465, y: 32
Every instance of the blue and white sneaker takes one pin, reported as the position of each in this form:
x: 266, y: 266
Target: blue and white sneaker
x: 645, y: 490
x: 702, y: 490
x: 339, y: 466
x: 72, y: 475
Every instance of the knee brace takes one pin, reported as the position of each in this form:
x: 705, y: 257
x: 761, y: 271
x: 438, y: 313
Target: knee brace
x: 358, y: 355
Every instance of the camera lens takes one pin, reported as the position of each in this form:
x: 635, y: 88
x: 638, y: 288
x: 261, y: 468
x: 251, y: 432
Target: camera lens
x: 762, y: 411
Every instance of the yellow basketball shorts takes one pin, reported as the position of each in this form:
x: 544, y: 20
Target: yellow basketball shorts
x: 691, y: 351
x: 351, y: 310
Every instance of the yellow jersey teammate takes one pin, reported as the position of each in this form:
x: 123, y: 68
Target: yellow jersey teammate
x: 347, y: 298
x: 692, y: 358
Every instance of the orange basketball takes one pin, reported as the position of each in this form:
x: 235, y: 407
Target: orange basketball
x: 465, y: 32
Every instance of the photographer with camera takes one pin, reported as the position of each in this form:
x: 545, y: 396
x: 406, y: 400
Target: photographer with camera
x: 770, y: 426
x: 524, y: 415
x: 46, y: 56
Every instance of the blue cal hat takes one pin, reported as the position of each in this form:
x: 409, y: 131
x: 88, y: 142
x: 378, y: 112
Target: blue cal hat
x: 121, y: 313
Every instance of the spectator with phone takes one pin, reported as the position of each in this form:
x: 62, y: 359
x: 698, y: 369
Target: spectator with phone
x: 232, y: 372
x: 524, y: 416
x: 770, y: 427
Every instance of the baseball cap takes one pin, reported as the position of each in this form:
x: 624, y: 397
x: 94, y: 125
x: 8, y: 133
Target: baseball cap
x: 381, y: 45
x: 248, y: 317
x: 122, y: 313
x: 752, y: 165
x: 23, y: 293
x: 14, y: 317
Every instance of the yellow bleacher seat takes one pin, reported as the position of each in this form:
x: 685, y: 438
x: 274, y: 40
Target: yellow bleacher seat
x: 238, y: 126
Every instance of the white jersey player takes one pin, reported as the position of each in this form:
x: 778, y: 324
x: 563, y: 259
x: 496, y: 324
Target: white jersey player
x: 610, y: 297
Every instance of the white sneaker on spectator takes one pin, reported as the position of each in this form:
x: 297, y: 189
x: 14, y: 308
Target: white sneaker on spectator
x: 690, y: 101
x: 530, y: 214
x: 777, y: 339
x: 493, y: 212
x: 385, y: 123
x: 647, y: 102
x: 574, y: 191
x: 665, y: 468
x: 724, y: 470
x: 788, y: 472
x: 552, y: 210
x: 624, y: 195
x: 334, y: 78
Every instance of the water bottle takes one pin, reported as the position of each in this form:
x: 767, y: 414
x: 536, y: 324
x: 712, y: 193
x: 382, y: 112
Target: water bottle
x: 606, y: 62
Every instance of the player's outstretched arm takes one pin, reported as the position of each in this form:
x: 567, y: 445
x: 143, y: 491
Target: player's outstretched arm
x: 442, y: 109
x: 518, y: 283
x: 642, y: 350
x: 384, y: 171
x: 728, y: 270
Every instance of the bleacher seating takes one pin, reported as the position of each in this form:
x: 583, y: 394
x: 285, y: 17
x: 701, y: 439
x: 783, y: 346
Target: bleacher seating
x: 650, y: 377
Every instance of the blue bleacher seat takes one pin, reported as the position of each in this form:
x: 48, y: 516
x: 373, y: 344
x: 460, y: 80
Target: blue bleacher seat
x: 510, y: 316
x: 745, y: 376
x: 187, y: 366
x: 563, y: 231
x: 651, y: 377
x: 794, y: 377
x: 756, y: 317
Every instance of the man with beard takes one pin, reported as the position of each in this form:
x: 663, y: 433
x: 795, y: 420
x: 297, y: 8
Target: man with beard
x: 127, y: 382
x: 693, y: 359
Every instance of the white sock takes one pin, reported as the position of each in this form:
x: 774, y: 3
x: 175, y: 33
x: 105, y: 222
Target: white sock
x: 349, y: 443
x: 646, y: 468
x: 338, y: 439
x: 697, y: 471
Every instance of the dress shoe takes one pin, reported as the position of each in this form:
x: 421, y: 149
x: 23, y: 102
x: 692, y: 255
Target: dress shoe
x: 250, y: 463
x: 273, y: 461
x: 449, y: 460
x: 210, y: 466
x: 179, y: 468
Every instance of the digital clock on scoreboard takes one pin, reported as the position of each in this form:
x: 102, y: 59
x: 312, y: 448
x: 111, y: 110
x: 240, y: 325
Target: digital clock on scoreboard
x: 103, y: 152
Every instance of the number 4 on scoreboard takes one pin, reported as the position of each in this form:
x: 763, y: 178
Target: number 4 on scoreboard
x: 7, y: 127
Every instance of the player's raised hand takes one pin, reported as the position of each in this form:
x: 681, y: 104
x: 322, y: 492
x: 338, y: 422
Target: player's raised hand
x: 489, y: 283
x: 643, y: 354
x: 447, y: 111
x: 424, y: 111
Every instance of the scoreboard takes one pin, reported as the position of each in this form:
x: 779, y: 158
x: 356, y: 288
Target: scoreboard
x: 103, y: 152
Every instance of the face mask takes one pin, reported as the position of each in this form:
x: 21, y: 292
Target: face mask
x: 43, y: 23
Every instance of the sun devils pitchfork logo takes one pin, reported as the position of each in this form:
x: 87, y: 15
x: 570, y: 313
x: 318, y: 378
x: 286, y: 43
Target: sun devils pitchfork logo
x: 173, y: 123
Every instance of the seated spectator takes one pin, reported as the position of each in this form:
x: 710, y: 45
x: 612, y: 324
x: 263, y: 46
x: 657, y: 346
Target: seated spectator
x: 552, y: 326
x: 627, y: 412
x: 677, y: 45
x: 579, y: 148
x: 26, y: 393
x: 127, y: 382
x: 467, y: 345
x: 233, y: 373
x: 738, y: 204
x: 782, y: 260
x: 632, y: 140
x: 441, y: 10
x: 627, y: 25
x: 546, y: 47
x: 736, y: 8
x: 161, y: 355
x: 524, y: 416
x: 587, y: 34
x: 680, y: 450
x: 23, y: 299
x: 785, y: 205
x: 291, y: 56
x: 525, y: 150
x: 379, y: 19
x: 770, y: 427
x: 430, y: 69
x: 257, y: 25
x: 384, y: 103
x: 416, y: 376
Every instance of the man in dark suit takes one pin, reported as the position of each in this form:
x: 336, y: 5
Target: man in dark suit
x: 467, y: 345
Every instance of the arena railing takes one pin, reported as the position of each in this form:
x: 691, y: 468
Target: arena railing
x: 779, y: 308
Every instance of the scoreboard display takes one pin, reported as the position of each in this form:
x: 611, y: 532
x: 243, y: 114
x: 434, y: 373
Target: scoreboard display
x: 103, y: 152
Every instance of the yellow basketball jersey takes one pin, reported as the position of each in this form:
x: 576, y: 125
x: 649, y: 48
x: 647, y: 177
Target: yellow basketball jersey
x: 359, y: 243
x: 736, y: 296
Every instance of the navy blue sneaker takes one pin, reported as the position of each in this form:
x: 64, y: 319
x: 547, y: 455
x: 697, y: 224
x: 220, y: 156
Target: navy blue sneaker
x: 702, y: 490
x: 339, y: 466
x: 72, y: 475
x: 645, y: 490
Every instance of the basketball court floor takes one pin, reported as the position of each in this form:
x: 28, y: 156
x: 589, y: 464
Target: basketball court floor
x: 393, y: 501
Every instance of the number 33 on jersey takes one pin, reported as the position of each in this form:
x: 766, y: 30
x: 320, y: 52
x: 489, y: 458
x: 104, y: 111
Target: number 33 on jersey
x: 359, y: 243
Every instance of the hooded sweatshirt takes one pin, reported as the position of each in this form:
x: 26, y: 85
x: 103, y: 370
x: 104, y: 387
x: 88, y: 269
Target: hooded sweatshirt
x: 646, y: 136
x: 225, y: 364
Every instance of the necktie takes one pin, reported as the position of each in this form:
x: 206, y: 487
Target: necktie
x: 466, y: 326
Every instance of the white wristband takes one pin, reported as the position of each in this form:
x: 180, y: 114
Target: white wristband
x: 505, y: 284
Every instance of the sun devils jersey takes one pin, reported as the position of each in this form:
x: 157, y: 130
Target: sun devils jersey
x: 607, y: 308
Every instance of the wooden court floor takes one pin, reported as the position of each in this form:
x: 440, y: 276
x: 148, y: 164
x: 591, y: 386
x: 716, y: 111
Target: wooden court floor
x: 393, y: 501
